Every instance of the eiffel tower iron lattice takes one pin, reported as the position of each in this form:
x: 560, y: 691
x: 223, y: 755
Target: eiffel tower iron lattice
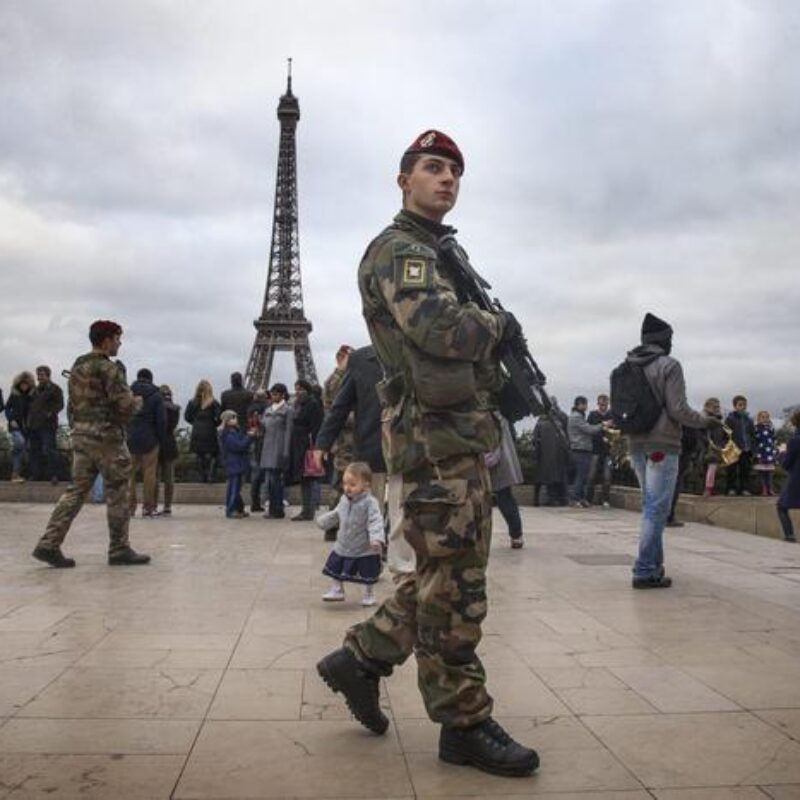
x: 282, y: 325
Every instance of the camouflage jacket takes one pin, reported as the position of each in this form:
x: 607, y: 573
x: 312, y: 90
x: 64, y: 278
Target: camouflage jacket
x: 100, y: 401
x: 437, y: 350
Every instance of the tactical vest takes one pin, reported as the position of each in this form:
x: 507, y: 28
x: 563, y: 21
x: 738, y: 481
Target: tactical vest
x: 91, y: 410
x: 434, y: 408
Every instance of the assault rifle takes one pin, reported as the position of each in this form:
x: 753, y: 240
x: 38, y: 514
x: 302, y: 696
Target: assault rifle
x: 523, y: 391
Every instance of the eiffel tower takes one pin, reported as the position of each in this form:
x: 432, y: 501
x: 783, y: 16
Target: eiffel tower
x: 282, y: 324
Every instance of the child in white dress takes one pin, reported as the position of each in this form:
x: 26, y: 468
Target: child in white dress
x: 356, y: 555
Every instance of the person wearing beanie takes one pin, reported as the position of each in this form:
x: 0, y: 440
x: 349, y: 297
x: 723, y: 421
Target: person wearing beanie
x: 655, y: 454
x: 101, y: 404
x: 441, y: 369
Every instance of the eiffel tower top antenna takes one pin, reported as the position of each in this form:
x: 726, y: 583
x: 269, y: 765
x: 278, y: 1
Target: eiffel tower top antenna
x: 283, y: 324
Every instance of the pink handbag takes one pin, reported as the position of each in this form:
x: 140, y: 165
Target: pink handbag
x: 310, y: 467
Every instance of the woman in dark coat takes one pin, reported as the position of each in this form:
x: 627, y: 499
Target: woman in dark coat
x: 307, y: 417
x: 551, y: 457
x: 203, y: 414
x: 168, y: 454
x: 790, y: 495
x: 17, y: 408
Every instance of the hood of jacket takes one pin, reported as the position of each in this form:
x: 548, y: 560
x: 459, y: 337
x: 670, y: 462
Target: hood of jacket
x: 144, y: 389
x: 645, y: 353
x: 23, y: 377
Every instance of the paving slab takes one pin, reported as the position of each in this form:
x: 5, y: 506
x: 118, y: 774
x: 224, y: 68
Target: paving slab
x: 194, y: 677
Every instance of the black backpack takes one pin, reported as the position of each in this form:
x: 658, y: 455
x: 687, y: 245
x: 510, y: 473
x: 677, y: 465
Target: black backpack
x: 633, y: 404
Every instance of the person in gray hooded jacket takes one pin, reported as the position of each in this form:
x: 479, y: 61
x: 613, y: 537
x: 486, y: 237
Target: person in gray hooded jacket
x: 655, y: 454
x: 581, y: 435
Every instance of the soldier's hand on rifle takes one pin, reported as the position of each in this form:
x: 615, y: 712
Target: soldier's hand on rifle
x: 511, y: 327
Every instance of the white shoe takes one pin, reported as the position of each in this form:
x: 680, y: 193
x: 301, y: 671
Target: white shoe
x: 334, y: 594
x: 368, y: 599
x: 606, y: 504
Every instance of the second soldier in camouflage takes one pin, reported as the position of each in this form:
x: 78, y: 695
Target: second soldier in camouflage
x: 100, y: 406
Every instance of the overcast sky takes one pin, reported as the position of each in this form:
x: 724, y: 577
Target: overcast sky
x: 621, y: 157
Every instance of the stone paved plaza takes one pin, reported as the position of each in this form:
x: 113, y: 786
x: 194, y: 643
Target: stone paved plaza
x: 193, y: 678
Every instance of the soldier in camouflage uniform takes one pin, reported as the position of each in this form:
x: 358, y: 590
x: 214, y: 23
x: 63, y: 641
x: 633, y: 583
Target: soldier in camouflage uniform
x: 441, y: 378
x: 100, y: 406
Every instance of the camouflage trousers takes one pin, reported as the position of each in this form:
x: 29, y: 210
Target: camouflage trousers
x: 113, y: 461
x: 437, y: 611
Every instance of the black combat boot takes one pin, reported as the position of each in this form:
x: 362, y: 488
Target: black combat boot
x: 126, y: 557
x: 488, y: 747
x: 343, y: 673
x: 53, y: 556
x: 660, y: 581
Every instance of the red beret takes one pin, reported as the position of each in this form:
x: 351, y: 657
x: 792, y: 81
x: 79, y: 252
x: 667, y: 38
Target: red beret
x: 437, y: 143
x: 103, y: 329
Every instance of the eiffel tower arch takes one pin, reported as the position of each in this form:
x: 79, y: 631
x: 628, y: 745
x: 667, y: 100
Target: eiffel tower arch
x: 282, y: 325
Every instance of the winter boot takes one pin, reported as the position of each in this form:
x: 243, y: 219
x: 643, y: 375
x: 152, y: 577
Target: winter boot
x: 489, y: 748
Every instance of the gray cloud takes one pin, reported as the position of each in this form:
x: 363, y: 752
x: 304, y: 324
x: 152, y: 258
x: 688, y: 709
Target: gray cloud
x: 621, y: 157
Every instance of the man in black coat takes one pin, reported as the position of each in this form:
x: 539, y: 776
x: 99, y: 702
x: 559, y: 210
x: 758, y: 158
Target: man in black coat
x: 237, y: 399
x: 47, y: 400
x: 358, y: 394
x: 147, y: 433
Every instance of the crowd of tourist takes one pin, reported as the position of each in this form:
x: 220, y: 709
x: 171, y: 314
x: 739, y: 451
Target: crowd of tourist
x: 583, y: 476
x: 443, y: 442
x: 266, y: 439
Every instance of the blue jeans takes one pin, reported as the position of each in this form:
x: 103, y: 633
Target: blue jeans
x: 18, y: 448
x: 43, y: 454
x: 233, y: 500
x: 583, y: 461
x: 657, y: 481
x: 599, y: 472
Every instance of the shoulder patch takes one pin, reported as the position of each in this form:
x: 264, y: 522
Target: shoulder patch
x: 414, y: 266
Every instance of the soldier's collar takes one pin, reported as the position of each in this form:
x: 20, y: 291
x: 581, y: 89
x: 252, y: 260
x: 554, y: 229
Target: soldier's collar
x: 436, y: 229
